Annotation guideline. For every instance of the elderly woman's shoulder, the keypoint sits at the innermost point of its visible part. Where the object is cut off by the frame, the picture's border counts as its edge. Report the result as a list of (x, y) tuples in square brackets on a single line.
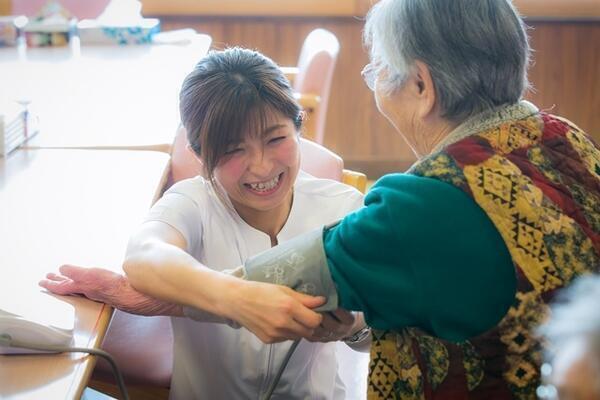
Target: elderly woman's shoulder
[(406, 182), (418, 193)]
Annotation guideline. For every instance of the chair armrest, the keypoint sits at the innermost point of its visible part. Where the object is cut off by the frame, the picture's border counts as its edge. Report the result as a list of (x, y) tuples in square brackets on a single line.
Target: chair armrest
[(356, 179), (310, 105)]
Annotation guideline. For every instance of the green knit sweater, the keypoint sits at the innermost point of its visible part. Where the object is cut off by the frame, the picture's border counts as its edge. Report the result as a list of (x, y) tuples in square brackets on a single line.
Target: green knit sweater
[(426, 245)]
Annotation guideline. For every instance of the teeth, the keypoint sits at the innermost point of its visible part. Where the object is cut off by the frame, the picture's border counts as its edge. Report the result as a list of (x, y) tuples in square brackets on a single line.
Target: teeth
[(264, 186)]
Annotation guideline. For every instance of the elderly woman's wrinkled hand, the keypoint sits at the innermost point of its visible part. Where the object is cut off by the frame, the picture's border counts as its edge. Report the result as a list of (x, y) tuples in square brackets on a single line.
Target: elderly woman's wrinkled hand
[(106, 287)]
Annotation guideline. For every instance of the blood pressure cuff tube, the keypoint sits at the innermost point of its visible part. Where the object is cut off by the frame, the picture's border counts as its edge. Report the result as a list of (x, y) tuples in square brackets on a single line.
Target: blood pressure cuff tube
[(299, 264)]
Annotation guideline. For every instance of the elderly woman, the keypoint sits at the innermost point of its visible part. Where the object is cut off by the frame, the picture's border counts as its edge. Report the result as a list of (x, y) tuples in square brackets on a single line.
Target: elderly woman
[(452, 263)]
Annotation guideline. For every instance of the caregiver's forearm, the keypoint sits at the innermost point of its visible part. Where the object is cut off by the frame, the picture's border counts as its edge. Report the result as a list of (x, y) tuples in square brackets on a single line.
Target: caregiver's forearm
[(168, 273)]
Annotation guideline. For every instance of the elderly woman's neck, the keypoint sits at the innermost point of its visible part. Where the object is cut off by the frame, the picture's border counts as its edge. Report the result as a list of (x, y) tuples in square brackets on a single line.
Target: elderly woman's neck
[(424, 139)]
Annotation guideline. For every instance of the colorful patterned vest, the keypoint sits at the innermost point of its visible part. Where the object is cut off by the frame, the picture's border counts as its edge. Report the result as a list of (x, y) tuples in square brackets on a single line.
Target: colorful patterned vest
[(537, 177)]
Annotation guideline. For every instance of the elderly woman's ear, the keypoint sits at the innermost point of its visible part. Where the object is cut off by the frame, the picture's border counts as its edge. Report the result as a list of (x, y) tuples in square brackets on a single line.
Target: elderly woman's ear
[(424, 90), (413, 108), (414, 98)]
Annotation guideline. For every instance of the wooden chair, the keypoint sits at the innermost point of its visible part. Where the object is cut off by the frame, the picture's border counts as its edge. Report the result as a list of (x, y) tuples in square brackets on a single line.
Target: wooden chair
[(143, 350), (312, 78), (142, 346)]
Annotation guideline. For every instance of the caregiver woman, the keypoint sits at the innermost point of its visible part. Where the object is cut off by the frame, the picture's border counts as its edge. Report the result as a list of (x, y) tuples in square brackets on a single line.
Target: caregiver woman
[(453, 262)]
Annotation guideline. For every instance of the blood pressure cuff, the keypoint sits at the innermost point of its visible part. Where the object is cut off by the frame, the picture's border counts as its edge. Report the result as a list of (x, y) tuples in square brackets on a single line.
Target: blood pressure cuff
[(299, 264)]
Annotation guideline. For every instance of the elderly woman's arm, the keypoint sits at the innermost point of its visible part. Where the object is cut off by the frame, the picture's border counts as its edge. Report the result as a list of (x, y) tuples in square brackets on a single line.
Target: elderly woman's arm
[(158, 265), (422, 254), (107, 287)]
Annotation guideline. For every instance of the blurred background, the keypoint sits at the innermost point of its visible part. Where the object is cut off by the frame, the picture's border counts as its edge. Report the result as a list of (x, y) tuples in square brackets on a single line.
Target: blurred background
[(565, 70)]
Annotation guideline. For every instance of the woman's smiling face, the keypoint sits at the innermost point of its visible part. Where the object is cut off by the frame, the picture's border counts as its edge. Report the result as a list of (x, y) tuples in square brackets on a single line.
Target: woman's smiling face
[(258, 174)]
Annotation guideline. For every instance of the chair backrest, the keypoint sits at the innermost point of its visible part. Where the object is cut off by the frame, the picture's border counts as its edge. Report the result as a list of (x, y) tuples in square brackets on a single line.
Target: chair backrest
[(183, 163), (315, 160), (319, 161), (315, 73)]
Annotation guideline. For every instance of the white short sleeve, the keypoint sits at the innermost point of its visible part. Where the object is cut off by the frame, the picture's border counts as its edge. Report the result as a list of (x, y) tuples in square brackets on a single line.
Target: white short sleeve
[(179, 209)]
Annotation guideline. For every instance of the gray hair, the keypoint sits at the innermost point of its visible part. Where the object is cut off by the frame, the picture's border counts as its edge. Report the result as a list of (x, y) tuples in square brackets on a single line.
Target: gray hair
[(476, 50), (576, 314)]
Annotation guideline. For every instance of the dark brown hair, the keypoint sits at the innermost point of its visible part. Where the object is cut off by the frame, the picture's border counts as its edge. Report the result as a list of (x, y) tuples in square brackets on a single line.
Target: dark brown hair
[(230, 95)]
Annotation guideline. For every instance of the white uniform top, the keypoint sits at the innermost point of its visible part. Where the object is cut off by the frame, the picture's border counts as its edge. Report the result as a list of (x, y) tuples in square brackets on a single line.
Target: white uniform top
[(215, 361)]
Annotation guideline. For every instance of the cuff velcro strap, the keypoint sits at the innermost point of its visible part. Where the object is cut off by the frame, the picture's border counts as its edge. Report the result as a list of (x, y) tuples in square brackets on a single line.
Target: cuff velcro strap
[(299, 264)]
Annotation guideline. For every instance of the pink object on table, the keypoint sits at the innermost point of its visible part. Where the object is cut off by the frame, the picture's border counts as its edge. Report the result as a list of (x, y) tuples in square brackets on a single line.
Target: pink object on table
[(79, 8)]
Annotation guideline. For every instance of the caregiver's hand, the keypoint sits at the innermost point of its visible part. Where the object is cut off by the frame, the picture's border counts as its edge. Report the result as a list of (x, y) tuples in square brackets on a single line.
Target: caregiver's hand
[(106, 287), (274, 313)]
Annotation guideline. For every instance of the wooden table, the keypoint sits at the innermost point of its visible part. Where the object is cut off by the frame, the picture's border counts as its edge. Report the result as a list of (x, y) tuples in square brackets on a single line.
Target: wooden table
[(67, 206), (86, 96)]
